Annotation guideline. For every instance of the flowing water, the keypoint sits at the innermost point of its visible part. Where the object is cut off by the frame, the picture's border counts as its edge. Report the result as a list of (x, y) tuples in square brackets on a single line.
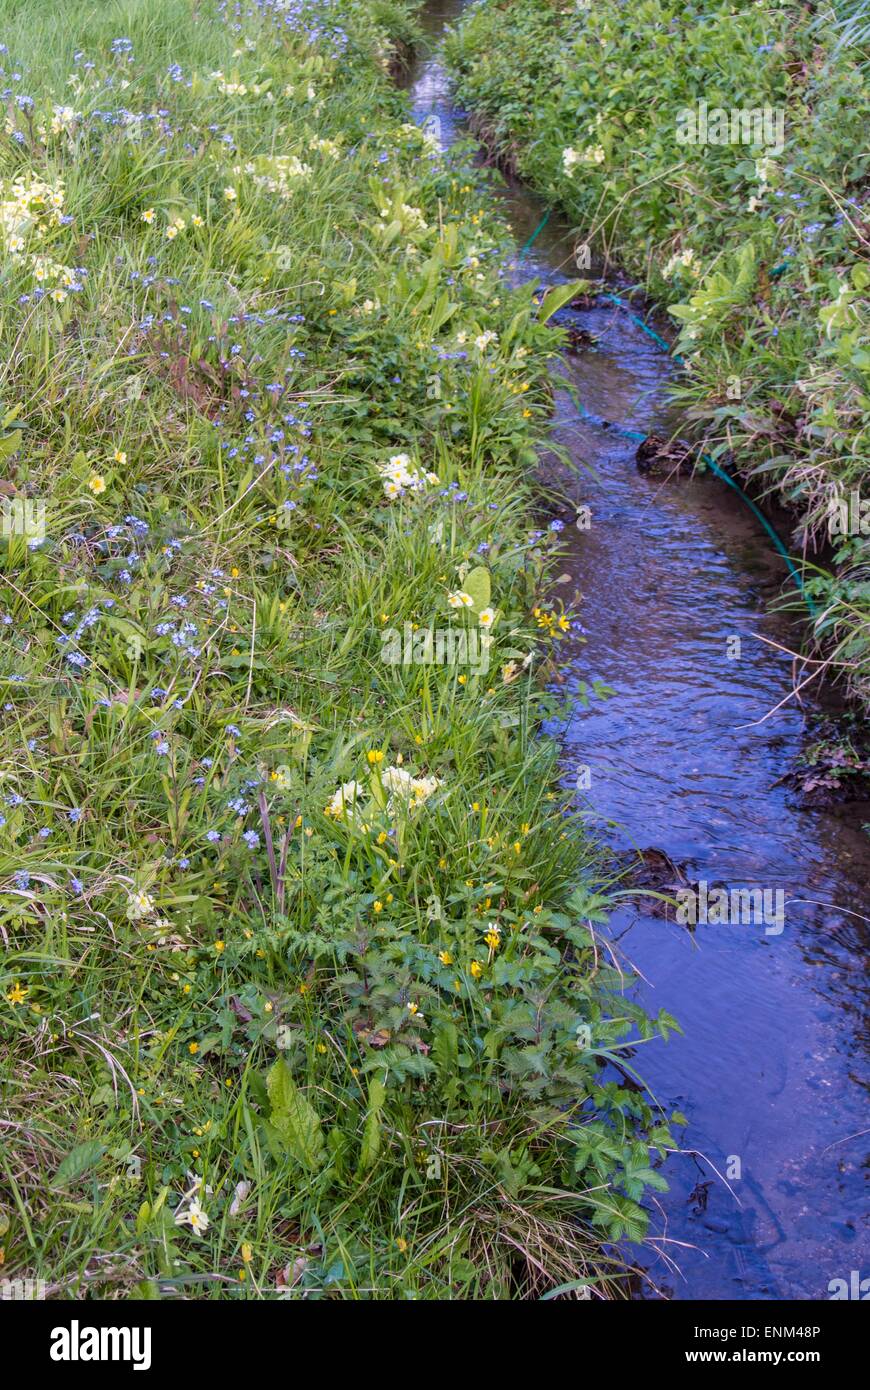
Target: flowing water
[(683, 758)]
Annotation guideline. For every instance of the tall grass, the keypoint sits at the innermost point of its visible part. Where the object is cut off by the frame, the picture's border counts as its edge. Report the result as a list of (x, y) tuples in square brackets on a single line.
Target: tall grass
[(261, 1040)]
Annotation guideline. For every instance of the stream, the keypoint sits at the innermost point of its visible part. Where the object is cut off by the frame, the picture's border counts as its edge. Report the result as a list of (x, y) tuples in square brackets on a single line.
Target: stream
[(765, 1198)]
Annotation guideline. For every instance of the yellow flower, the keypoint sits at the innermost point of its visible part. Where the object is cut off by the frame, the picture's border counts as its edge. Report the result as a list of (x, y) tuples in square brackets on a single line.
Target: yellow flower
[(247, 1252), (321, 1048), (375, 756), (445, 957), (97, 484), (377, 907), (17, 994), (193, 1048), (401, 1244), (220, 946), (476, 969)]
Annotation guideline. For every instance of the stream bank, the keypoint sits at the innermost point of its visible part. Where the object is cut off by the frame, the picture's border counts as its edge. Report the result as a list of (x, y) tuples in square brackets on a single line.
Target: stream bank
[(689, 756)]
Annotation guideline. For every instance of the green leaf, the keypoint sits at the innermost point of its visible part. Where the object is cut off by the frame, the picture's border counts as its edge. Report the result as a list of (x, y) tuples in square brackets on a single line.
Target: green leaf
[(560, 295), (477, 586), (78, 1161), (294, 1119), (371, 1140)]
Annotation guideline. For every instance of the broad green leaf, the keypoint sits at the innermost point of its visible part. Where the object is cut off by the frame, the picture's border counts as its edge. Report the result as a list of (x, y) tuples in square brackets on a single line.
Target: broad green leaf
[(476, 585), (78, 1161), (294, 1119), (559, 296)]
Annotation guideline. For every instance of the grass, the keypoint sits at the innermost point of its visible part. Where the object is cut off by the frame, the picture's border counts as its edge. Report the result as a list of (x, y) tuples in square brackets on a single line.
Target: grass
[(758, 252), (263, 1037)]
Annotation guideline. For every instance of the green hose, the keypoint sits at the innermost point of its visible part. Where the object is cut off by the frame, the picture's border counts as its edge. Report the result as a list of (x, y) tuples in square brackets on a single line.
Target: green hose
[(719, 471)]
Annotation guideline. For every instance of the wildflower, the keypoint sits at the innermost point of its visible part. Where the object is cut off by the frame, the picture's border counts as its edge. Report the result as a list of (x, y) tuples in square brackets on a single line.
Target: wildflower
[(486, 617), (17, 994), (220, 946), (97, 484), (375, 756), (148, 215), (193, 1048), (445, 957), (230, 193), (476, 969), (377, 906), (194, 1217), (460, 599), (345, 796), (119, 457), (139, 904)]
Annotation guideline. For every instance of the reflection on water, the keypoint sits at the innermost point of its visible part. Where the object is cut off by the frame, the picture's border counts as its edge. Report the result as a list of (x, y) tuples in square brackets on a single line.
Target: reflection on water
[(682, 757)]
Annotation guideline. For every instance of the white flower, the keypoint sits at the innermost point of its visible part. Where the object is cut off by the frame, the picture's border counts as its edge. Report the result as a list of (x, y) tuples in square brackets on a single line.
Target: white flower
[(139, 904), (194, 1217), (486, 617), (403, 787), (239, 1198), (398, 474), (570, 160), (345, 797), (483, 340), (460, 599)]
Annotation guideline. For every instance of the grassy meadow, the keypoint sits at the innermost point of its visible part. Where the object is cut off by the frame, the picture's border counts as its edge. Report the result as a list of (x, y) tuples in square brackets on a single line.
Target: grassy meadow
[(301, 987)]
